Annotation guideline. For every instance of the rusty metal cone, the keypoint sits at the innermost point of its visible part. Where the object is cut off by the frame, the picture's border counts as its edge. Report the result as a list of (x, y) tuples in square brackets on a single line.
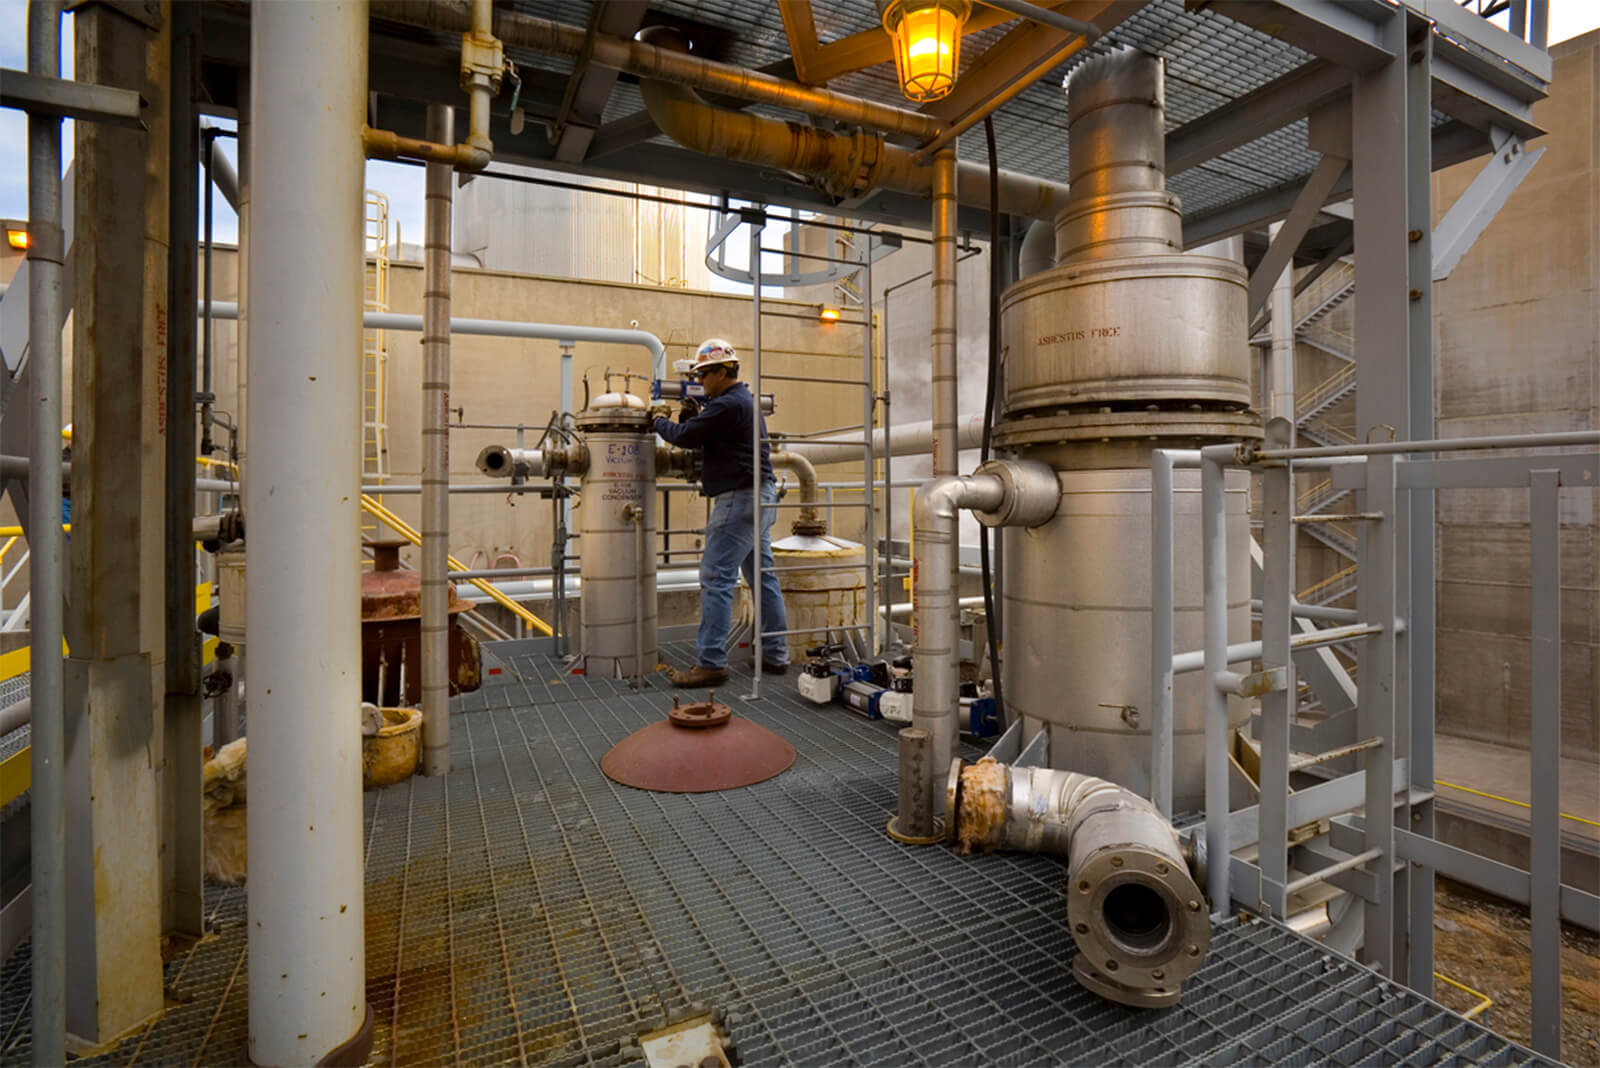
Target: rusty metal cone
[(699, 748)]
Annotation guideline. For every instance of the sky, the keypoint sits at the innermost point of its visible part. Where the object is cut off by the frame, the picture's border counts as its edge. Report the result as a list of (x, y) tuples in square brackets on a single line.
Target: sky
[(402, 184)]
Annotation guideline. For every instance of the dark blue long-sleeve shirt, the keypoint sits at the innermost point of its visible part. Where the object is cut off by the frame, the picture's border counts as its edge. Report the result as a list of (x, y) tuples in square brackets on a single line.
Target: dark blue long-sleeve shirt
[(721, 431)]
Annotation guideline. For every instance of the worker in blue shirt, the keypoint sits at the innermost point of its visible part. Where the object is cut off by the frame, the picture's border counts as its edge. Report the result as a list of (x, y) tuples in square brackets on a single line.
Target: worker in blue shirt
[(721, 430)]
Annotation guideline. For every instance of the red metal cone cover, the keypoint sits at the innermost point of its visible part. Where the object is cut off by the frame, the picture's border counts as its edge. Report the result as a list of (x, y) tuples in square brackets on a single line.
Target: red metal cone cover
[(673, 759)]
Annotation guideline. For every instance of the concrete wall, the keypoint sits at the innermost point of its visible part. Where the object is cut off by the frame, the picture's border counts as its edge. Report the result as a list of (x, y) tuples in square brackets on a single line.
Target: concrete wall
[(1516, 328)]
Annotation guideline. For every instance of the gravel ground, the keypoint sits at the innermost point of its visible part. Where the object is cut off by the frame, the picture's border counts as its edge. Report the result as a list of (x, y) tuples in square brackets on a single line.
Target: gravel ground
[(1483, 943)]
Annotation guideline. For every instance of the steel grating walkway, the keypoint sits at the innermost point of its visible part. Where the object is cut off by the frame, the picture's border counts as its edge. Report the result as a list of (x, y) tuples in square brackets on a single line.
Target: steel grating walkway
[(525, 909)]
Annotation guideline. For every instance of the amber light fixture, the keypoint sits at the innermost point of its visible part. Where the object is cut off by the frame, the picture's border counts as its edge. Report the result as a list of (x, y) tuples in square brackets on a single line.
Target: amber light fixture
[(927, 44), (17, 239)]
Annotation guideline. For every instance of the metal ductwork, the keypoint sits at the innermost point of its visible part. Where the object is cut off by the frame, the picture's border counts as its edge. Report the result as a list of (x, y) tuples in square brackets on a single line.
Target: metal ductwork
[(1126, 345), (1137, 914)]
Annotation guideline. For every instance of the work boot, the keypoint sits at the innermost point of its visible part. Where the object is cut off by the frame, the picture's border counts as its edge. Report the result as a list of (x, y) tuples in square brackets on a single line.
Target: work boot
[(769, 668), (698, 676)]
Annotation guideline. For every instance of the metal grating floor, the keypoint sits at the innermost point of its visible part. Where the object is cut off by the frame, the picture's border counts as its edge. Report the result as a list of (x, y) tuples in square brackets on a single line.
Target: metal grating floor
[(525, 909)]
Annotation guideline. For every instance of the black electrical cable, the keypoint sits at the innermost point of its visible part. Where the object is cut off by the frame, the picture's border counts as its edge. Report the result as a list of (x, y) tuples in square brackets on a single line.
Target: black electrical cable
[(988, 408)]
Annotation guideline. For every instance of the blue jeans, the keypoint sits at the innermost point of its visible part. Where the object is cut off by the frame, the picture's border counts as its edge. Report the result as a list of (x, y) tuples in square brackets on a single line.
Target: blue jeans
[(730, 549)]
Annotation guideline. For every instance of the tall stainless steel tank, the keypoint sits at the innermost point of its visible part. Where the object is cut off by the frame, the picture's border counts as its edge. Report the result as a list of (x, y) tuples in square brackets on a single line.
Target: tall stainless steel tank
[(1128, 344), (617, 520)]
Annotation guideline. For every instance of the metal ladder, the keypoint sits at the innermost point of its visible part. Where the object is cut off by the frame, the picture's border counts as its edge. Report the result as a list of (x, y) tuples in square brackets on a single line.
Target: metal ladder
[(374, 350)]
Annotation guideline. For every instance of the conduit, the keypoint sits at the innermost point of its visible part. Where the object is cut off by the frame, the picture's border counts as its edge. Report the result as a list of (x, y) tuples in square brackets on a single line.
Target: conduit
[(1137, 915), (435, 606)]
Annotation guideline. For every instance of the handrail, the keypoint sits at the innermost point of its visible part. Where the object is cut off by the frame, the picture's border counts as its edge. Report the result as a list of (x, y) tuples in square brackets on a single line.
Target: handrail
[(405, 530), (16, 532), (12, 540), (1485, 1002), (1511, 801), (1325, 583), (1326, 388)]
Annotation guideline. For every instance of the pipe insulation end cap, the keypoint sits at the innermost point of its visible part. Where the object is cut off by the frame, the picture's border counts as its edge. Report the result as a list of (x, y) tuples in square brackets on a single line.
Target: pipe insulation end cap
[(1032, 493)]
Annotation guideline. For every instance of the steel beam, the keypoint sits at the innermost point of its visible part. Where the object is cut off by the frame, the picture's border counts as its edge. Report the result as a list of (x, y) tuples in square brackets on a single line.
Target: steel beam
[(589, 86), (1481, 201), (1271, 107), (68, 99), (1316, 192), (1347, 32)]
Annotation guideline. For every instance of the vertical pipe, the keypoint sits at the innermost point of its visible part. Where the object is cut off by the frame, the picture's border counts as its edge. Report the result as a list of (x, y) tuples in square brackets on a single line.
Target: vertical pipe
[(1214, 556), (757, 654), (1519, 19), (1280, 374), (307, 956), (436, 451), (1161, 596), (914, 816), (869, 408), (888, 481), (45, 542), (1539, 23), (944, 315), (225, 721), (208, 147), (1277, 707), (241, 260), (1544, 820), (183, 861)]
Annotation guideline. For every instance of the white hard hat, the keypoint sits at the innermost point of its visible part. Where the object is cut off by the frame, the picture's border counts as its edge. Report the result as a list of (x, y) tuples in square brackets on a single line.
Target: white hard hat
[(714, 352)]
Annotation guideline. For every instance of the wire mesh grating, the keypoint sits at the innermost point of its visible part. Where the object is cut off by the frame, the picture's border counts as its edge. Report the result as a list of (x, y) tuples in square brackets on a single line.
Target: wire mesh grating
[(525, 909)]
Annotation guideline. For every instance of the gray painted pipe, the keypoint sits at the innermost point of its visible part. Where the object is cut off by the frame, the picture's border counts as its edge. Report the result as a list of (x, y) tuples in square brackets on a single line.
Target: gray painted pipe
[(15, 717), (46, 254), (502, 328), (907, 439), (435, 621)]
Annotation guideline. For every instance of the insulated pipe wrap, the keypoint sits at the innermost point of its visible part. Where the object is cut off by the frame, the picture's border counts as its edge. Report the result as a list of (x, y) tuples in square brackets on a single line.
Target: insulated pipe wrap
[(1136, 913)]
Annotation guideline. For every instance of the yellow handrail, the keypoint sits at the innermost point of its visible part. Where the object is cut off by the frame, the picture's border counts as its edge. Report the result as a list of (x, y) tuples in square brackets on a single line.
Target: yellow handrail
[(372, 507), (16, 532), (12, 540), (1508, 801), (1485, 1002), (1337, 576)]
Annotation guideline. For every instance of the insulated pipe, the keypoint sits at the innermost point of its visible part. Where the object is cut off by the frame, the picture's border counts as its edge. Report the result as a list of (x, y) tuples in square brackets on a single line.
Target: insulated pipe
[(935, 700), (435, 606), (15, 717), (1214, 569), (1280, 372), (223, 175), (650, 61), (907, 439), (943, 340), (1038, 252), (844, 164), (46, 256), (307, 955), (1137, 915), (504, 328), (807, 521), (498, 461)]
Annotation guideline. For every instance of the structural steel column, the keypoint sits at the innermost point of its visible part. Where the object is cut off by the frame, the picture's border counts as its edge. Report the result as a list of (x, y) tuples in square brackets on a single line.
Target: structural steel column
[(114, 729), (307, 954), (436, 452), (1280, 376), (1383, 169)]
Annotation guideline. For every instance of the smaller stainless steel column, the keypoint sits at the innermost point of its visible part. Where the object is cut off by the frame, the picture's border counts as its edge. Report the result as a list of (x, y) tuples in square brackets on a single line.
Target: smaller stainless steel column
[(914, 822), (435, 620)]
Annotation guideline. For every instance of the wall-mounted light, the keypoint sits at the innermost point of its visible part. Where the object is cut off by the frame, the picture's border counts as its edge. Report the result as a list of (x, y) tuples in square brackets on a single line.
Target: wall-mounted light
[(927, 44), (827, 314), (17, 239)]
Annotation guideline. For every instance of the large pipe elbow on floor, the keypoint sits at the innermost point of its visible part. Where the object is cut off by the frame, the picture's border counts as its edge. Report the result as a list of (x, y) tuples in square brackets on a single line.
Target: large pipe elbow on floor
[(808, 522), (1137, 913)]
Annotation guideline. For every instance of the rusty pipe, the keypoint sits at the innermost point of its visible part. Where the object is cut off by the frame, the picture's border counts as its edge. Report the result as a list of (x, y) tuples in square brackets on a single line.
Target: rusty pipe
[(482, 59), (843, 164), (808, 521), (1137, 914), (648, 60)]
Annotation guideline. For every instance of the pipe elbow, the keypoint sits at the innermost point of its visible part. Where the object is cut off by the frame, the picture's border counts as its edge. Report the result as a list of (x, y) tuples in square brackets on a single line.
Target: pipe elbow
[(1030, 493), (808, 521), (474, 154)]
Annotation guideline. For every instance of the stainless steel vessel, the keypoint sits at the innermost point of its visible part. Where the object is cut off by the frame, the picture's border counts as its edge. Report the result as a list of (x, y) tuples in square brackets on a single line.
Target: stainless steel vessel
[(1126, 345)]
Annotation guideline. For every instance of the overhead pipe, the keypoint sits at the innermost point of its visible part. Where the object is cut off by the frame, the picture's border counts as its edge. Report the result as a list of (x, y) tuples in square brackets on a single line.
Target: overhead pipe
[(1003, 493), (482, 64), (648, 60), (1137, 914), (843, 164), (374, 320), (46, 256), (807, 522), (307, 955), (906, 439), (435, 603)]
